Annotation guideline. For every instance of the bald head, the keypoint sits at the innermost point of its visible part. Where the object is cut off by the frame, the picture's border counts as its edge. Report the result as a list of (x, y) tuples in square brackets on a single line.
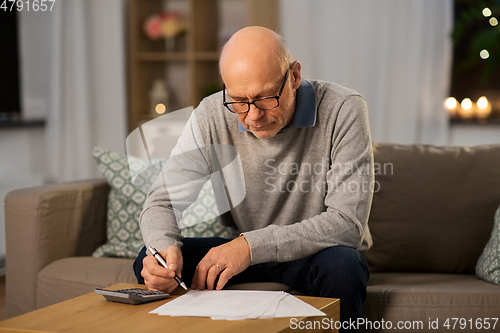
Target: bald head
[(253, 65), (254, 53)]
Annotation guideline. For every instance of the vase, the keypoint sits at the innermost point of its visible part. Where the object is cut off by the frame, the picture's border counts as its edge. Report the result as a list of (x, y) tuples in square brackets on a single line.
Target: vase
[(170, 44)]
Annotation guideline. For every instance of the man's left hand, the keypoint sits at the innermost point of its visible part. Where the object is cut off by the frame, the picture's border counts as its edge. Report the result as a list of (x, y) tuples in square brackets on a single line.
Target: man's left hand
[(224, 261)]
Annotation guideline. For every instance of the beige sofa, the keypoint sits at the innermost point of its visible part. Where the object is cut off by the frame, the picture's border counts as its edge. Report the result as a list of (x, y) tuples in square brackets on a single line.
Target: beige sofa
[(431, 216)]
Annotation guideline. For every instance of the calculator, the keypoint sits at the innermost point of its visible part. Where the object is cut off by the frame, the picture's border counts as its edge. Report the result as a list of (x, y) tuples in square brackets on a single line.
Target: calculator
[(132, 296)]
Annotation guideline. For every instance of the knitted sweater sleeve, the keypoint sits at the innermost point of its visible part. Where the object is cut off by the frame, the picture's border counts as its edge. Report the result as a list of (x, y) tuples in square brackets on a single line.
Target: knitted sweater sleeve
[(350, 182)]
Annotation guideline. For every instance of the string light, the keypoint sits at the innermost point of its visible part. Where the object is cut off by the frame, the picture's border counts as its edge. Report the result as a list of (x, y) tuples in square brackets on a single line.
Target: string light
[(493, 21), (484, 54), (487, 12)]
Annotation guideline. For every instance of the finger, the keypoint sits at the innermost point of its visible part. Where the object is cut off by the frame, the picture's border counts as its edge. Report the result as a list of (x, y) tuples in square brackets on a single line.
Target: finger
[(157, 277), (171, 287), (172, 256), (223, 278), (167, 288), (194, 286), (157, 283), (202, 270), (154, 268), (213, 272), (180, 262)]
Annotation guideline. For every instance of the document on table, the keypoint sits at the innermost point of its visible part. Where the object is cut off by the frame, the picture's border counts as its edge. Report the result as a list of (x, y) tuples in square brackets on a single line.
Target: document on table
[(237, 304)]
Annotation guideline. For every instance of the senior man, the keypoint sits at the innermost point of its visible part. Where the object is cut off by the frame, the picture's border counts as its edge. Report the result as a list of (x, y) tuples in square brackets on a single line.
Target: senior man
[(307, 161)]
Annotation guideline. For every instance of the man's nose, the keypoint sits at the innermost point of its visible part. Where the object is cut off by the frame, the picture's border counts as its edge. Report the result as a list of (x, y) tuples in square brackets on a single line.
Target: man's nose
[(255, 113)]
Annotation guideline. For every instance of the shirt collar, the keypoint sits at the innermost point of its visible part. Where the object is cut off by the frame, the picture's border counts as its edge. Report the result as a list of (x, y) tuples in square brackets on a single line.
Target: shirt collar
[(305, 108)]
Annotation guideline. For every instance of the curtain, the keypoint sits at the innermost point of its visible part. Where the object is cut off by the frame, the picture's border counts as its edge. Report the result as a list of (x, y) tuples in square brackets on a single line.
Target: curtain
[(397, 54), (86, 98)]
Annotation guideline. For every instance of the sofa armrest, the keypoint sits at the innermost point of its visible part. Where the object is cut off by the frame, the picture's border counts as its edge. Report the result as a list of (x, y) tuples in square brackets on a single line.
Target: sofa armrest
[(47, 223)]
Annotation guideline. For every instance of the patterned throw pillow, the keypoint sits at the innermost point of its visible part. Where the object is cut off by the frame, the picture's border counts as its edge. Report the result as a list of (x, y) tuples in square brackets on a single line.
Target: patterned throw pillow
[(488, 264), (125, 201)]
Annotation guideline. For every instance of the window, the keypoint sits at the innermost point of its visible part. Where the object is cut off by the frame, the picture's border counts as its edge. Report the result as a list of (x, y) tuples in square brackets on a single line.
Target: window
[(476, 59)]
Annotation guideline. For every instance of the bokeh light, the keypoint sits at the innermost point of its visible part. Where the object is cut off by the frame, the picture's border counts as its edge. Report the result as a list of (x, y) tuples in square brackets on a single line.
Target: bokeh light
[(484, 54), (160, 108)]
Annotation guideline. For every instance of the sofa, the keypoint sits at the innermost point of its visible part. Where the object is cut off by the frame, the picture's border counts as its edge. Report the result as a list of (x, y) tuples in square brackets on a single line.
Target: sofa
[(432, 215)]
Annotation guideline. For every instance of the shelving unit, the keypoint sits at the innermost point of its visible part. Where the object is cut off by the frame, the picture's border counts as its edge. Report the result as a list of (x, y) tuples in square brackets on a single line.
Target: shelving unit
[(191, 72)]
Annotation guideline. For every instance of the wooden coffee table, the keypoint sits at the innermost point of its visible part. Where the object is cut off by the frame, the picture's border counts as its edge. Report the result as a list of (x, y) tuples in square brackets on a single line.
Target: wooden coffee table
[(92, 313)]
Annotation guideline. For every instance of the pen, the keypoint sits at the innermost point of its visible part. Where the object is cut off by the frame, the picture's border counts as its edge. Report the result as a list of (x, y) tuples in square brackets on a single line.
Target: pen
[(162, 262)]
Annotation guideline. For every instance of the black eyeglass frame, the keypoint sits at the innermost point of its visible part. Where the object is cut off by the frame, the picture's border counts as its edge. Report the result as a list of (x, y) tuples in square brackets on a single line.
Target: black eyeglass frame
[(277, 97)]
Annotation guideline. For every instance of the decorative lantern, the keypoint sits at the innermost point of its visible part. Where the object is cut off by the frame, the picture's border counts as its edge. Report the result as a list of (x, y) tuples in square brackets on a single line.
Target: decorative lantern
[(159, 97)]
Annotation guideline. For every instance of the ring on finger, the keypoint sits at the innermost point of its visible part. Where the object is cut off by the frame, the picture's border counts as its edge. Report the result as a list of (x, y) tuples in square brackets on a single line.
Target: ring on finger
[(219, 267)]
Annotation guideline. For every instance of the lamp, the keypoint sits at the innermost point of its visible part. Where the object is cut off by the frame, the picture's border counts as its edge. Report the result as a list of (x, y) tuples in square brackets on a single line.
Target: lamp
[(158, 97)]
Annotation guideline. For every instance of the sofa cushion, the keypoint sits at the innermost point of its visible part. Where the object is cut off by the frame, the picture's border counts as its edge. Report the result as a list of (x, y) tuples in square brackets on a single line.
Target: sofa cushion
[(488, 265), (126, 199), (71, 277), (434, 206), (420, 296)]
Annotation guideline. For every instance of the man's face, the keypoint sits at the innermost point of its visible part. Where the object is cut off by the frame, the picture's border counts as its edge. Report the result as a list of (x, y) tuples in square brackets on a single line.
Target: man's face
[(264, 123)]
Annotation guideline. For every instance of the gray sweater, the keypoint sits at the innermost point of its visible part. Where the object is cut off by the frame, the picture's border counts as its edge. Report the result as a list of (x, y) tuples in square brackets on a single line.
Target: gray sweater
[(308, 188)]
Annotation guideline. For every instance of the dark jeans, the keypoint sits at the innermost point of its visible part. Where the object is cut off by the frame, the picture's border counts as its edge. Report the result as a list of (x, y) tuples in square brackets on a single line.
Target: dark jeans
[(337, 272)]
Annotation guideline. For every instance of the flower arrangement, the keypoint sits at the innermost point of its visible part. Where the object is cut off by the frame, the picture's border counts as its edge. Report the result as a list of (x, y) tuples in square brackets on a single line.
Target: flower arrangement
[(168, 25)]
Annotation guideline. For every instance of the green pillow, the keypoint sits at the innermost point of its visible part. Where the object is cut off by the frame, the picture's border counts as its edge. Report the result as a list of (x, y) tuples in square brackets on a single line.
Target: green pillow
[(125, 202), (488, 264)]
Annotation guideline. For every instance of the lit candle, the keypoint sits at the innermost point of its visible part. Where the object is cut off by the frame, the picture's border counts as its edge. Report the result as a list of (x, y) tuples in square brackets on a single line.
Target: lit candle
[(483, 108), (451, 105), (468, 109)]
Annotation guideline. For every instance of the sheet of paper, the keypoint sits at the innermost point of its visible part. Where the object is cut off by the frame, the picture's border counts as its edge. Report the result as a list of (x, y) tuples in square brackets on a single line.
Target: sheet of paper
[(291, 306), (222, 304), (236, 305)]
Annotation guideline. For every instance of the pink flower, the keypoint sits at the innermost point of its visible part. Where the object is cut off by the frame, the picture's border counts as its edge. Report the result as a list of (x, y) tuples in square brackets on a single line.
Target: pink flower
[(165, 24), (152, 27)]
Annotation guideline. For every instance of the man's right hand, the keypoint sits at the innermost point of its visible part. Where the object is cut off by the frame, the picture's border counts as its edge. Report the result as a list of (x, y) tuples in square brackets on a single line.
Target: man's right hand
[(157, 277)]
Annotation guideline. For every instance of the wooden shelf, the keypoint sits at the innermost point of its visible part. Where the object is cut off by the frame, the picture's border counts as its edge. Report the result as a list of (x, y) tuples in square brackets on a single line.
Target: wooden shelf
[(162, 56), (205, 56), (177, 56), (193, 73)]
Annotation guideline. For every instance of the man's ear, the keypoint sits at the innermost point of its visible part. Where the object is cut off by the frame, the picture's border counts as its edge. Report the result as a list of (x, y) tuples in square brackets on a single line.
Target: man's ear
[(296, 76)]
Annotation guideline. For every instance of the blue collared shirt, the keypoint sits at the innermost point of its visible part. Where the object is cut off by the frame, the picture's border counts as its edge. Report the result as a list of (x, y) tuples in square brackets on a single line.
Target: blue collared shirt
[(305, 108)]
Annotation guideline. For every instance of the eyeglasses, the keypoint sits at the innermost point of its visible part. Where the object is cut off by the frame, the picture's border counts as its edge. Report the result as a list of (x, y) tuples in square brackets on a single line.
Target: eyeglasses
[(265, 103)]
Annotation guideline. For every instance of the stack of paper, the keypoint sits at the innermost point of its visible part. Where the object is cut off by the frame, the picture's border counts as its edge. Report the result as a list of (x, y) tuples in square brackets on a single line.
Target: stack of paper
[(237, 304)]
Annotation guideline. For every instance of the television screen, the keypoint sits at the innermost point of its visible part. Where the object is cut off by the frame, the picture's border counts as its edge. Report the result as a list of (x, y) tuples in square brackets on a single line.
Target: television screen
[(9, 64)]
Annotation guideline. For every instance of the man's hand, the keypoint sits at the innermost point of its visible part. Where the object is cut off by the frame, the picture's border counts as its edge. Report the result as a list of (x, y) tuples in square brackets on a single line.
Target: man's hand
[(157, 277), (224, 261)]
